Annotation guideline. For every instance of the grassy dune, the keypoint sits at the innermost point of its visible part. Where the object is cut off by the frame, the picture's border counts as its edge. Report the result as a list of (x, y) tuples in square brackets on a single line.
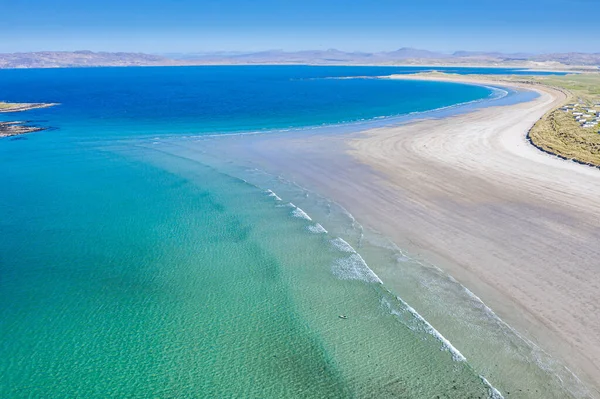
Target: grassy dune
[(557, 132)]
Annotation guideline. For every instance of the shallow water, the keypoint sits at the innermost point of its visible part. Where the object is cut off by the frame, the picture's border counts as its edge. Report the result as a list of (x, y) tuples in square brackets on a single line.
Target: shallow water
[(131, 271), (459, 320)]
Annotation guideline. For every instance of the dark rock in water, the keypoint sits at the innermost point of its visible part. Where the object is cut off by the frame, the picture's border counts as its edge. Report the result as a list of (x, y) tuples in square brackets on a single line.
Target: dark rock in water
[(16, 128)]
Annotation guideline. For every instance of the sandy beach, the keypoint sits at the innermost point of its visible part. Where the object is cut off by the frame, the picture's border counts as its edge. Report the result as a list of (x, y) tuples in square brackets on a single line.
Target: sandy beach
[(519, 227), (468, 193)]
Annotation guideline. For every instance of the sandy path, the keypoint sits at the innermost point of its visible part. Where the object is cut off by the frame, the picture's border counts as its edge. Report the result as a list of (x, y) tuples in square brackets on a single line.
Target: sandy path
[(517, 226)]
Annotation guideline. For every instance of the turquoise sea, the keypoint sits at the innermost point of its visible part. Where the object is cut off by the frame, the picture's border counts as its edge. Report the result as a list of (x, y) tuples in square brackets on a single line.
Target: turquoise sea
[(127, 271)]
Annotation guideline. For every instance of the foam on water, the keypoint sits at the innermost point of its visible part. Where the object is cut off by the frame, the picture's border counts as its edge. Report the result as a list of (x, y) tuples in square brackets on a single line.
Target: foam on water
[(428, 328), (299, 213), (354, 267), (493, 392), (342, 223), (541, 358), (317, 229), (342, 245), (270, 193)]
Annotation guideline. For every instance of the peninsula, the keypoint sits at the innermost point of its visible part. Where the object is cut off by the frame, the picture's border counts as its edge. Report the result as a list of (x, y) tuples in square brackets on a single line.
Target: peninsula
[(20, 107), (15, 128)]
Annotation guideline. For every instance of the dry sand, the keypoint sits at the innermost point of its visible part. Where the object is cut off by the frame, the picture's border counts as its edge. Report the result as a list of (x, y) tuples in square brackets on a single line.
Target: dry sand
[(518, 227)]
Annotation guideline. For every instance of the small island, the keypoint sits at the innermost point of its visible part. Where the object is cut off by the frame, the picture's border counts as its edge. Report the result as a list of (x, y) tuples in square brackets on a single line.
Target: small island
[(15, 128)]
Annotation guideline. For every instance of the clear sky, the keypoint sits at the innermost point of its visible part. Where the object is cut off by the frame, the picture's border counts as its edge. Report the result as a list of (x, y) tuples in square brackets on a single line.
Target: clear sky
[(158, 26)]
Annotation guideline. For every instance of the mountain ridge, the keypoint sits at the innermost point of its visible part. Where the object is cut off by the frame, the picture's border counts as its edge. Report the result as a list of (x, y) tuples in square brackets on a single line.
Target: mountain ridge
[(401, 56)]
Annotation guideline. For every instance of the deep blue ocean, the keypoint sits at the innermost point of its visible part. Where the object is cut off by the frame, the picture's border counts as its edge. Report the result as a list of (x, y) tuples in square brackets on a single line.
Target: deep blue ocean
[(144, 101), (129, 272)]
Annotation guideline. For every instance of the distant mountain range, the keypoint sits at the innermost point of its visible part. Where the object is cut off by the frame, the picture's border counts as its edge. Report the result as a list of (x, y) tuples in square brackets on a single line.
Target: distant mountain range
[(403, 56), (58, 59)]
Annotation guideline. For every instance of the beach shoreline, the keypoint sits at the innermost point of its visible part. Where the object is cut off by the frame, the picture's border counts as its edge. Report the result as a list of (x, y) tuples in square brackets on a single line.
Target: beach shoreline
[(558, 192), (469, 194), (473, 158)]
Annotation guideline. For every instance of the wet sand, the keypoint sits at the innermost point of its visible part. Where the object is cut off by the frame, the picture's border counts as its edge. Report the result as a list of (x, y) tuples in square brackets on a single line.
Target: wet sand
[(468, 193)]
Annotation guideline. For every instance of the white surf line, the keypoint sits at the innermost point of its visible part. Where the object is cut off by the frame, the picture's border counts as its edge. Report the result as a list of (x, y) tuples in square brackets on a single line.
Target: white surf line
[(299, 213), (343, 246), (271, 193), (490, 313), (493, 392), (359, 268), (456, 355), (532, 344), (355, 267), (316, 228), (582, 390), (446, 344), (352, 267)]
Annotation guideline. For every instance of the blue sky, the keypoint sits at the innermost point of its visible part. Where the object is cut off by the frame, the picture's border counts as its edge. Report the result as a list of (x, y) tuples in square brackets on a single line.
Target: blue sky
[(245, 25)]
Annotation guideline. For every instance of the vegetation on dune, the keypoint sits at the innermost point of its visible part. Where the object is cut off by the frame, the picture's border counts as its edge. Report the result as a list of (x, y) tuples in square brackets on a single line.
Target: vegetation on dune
[(584, 86), (558, 132)]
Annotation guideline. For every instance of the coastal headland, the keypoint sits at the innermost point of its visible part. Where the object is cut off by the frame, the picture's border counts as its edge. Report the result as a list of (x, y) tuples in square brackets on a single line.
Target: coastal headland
[(469, 193), (16, 128)]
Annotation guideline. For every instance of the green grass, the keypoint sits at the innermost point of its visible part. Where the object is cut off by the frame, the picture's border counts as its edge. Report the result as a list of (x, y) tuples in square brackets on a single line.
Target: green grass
[(558, 132), (585, 85)]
